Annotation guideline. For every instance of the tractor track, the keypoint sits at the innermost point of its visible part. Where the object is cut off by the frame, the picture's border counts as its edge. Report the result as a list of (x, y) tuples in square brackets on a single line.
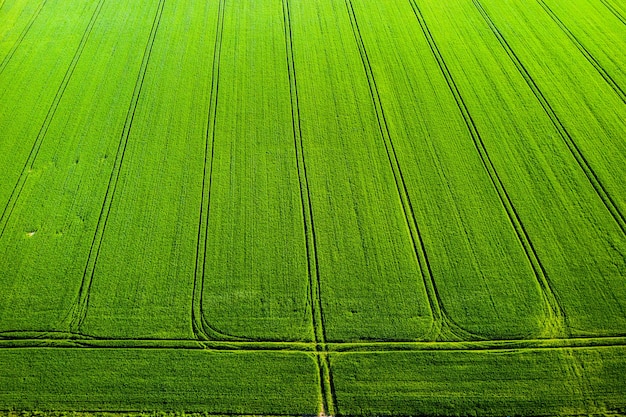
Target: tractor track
[(79, 311), (41, 135), (592, 60), (563, 132), (23, 34), (556, 324), (329, 401), (201, 327), (443, 326)]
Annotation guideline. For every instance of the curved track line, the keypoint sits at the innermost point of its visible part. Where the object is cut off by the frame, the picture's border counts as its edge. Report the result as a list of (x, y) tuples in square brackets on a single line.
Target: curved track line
[(79, 311), (592, 60), (19, 40), (443, 327), (557, 321), (317, 315), (28, 165), (569, 141), (564, 134), (201, 327)]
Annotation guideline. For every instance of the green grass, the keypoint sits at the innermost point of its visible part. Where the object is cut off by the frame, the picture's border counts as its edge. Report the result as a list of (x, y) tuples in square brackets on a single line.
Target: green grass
[(291, 207), (175, 380), (485, 383)]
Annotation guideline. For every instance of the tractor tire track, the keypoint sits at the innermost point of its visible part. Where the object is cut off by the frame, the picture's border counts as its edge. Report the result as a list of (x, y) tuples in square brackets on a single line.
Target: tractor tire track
[(613, 10), (79, 311), (556, 320), (30, 161), (23, 34), (202, 329), (565, 135), (27, 339), (443, 327), (592, 60), (328, 406)]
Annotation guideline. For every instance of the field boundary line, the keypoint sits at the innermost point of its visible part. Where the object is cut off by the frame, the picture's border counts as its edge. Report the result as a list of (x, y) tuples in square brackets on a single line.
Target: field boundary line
[(202, 329), (613, 10), (23, 34), (79, 311), (443, 327), (78, 342), (588, 55), (34, 152), (329, 401), (556, 121), (557, 320)]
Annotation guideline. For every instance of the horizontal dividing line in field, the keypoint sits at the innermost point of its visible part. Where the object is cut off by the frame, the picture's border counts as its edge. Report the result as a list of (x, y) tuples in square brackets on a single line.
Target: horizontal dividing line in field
[(141, 412), (613, 10), (19, 40), (309, 347), (592, 60)]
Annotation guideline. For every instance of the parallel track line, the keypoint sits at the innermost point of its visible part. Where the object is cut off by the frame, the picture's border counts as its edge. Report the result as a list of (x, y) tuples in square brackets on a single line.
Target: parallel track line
[(23, 34), (201, 327), (444, 326), (79, 341), (558, 124), (34, 152), (317, 316), (79, 311), (557, 318), (556, 121), (592, 60), (613, 10)]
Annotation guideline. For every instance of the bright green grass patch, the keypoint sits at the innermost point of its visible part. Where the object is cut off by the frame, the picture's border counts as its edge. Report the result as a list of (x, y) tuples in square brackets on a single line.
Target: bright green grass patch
[(158, 379), (485, 383)]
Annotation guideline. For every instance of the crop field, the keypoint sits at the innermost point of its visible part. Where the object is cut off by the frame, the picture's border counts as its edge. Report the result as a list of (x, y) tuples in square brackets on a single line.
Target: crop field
[(313, 207)]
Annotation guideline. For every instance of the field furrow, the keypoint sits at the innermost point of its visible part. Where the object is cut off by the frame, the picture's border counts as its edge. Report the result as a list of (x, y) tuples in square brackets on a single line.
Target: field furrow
[(618, 10), (439, 317), (202, 328), (587, 106), (155, 210), (23, 116), (16, 19), (312, 207), (442, 168), (605, 49), (576, 238), (47, 238), (588, 115), (317, 315), (28, 165), (371, 286), (255, 271)]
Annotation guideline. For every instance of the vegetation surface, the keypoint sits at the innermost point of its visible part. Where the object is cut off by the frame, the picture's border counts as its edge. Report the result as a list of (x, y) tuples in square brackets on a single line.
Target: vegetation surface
[(348, 207)]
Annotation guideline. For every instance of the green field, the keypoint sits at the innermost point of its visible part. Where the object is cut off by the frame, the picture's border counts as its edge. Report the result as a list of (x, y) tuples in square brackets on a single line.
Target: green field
[(306, 207)]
